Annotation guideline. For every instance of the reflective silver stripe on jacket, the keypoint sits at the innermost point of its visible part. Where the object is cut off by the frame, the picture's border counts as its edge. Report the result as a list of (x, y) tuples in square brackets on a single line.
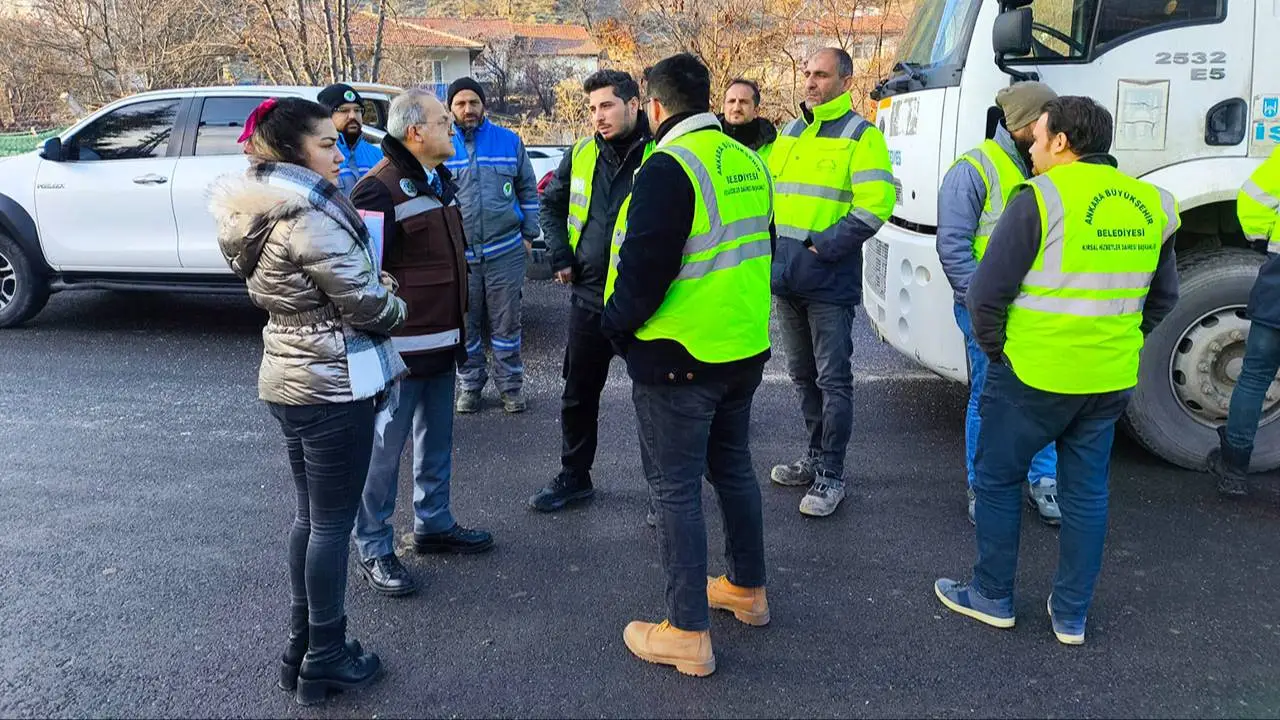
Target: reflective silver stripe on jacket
[(430, 341), (577, 223), (868, 218), (416, 206), (579, 199), (868, 176), (1264, 198), (822, 192)]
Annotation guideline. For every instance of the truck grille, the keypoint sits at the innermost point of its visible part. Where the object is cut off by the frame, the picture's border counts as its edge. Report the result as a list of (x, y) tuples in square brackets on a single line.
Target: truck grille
[(875, 265)]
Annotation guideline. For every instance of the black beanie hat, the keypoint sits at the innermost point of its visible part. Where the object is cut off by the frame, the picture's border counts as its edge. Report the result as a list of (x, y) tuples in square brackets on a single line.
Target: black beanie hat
[(337, 95), (465, 83)]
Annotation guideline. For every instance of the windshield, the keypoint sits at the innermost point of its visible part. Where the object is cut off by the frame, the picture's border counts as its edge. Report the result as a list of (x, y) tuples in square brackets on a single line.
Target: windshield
[(939, 33)]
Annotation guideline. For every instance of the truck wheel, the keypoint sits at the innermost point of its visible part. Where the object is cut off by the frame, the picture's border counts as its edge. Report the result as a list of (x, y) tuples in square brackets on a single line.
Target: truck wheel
[(1191, 362), (23, 292)]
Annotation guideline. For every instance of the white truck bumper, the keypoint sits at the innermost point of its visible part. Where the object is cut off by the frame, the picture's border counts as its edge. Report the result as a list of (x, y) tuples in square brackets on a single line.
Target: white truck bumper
[(909, 301)]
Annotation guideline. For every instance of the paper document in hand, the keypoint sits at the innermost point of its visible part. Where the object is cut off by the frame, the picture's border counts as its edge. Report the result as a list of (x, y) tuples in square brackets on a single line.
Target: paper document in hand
[(374, 221)]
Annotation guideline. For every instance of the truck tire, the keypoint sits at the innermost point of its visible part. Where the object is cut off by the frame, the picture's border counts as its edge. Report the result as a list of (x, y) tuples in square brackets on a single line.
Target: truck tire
[(23, 291), (1191, 361)]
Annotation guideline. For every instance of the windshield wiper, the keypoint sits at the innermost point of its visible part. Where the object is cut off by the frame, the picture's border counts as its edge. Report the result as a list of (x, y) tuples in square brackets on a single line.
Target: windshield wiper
[(911, 71)]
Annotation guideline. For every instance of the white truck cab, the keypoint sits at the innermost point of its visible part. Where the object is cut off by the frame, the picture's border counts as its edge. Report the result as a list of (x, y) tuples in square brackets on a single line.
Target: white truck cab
[(1196, 102), (118, 201)]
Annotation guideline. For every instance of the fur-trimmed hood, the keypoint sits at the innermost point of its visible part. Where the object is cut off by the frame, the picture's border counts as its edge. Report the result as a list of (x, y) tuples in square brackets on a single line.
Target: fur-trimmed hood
[(246, 211)]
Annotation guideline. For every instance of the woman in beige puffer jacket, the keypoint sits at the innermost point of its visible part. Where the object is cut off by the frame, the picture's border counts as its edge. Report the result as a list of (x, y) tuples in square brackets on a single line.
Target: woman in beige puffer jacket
[(327, 364)]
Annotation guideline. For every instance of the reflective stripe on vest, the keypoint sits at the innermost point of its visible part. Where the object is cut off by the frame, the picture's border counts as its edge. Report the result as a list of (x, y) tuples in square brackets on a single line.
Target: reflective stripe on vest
[(718, 305), (586, 154), (1075, 327), (1258, 204), (819, 173), (1000, 175), (582, 177)]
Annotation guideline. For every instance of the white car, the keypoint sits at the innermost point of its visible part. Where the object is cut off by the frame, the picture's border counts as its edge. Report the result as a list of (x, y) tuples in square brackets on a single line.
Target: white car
[(118, 200)]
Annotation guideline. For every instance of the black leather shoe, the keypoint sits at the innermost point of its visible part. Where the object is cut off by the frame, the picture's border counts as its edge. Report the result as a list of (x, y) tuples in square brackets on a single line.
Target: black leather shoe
[(456, 540), (565, 490), (387, 576)]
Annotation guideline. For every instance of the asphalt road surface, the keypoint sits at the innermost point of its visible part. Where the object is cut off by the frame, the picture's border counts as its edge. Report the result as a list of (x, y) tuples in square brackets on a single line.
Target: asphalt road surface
[(145, 500)]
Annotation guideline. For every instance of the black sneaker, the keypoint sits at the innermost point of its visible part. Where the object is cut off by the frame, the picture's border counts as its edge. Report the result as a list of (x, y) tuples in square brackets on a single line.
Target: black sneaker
[(456, 540), (387, 576), (565, 489)]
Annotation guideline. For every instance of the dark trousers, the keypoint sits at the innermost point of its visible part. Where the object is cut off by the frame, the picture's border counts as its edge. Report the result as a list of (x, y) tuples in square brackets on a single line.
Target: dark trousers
[(329, 449), (1017, 422), (686, 431), (818, 338), (586, 370)]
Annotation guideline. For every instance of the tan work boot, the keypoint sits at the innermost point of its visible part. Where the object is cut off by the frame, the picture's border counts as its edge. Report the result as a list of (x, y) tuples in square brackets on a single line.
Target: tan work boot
[(747, 604), (689, 651)]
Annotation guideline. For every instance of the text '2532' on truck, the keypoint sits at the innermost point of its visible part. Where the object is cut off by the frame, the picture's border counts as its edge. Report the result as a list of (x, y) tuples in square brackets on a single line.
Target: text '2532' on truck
[(1196, 100)]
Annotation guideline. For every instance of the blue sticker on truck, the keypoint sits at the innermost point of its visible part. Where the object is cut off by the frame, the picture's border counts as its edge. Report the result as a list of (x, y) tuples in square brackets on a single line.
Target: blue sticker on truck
[(1266, 125)]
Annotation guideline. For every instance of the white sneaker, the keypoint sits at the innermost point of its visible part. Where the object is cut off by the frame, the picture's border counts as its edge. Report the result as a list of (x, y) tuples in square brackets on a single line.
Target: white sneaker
[(823, 498), (1043, 496)]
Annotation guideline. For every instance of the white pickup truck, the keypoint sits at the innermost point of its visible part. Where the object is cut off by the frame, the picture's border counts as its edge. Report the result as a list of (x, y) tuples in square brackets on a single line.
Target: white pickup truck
[(118, 200)]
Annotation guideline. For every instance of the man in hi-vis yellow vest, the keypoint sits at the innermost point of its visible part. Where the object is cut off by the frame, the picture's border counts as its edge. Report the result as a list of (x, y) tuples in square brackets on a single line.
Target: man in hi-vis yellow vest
[(580, 207), (970, 201), (1079, 269), (834, 191), (1258, 209), (687, 305)]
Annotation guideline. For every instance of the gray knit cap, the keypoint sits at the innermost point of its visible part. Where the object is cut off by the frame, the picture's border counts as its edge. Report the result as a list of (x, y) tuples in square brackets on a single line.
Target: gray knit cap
[(1023, 103)]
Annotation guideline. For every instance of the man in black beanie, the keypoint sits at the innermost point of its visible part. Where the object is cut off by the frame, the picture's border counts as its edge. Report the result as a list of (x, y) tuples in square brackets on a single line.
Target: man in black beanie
[(499, 197), (358, 155)]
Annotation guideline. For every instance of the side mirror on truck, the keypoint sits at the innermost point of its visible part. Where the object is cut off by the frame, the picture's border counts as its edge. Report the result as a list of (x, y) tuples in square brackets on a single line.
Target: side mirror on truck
[(1011, 33)]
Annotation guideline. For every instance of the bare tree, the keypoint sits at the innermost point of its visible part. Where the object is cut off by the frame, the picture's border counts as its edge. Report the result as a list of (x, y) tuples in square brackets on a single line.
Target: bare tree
[(501, 63), (380, 7), (542, 79)]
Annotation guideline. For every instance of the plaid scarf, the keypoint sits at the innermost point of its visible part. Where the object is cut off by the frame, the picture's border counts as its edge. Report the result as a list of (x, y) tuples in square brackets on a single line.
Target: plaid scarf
[(373, 365)]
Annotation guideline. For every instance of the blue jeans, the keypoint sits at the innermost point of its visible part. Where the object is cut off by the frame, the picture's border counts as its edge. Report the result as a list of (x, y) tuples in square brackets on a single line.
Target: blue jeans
[(1045, 462), (687, 431), (426, 408), (495, 288), (1017, 421), (818, 338), (1261, 361)]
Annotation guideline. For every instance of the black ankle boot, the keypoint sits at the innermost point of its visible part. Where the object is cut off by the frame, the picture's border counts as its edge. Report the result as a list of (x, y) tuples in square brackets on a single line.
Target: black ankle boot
[(1230, 465), (291, 658), (330, 665)]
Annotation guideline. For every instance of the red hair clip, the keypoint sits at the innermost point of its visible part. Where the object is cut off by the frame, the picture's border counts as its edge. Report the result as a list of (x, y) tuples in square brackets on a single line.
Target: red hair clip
[(256, 117)]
